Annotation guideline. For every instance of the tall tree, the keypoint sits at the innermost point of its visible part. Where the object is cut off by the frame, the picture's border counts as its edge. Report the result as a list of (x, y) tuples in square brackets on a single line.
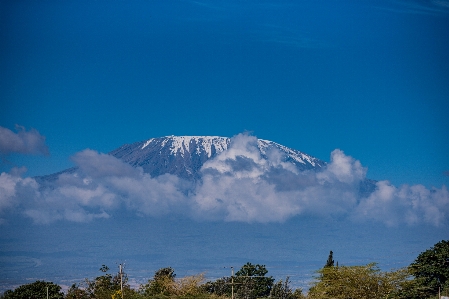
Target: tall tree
[(330, 261), (162, 283), (431, 267), (252, 282)]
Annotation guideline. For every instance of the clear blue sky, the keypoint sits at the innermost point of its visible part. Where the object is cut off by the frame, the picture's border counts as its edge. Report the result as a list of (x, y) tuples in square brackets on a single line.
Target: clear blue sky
[(368, 77)]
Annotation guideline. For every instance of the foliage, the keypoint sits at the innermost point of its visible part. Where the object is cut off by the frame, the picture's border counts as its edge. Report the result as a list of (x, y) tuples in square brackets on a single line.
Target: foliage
[(77, 292), (164, 284), (190, 286), (421, 279), (106, 286), (165, 273), (161, 284), (219, 287), (251, 281), (35, 290), (282, 290), (359, 282), (431, 268)]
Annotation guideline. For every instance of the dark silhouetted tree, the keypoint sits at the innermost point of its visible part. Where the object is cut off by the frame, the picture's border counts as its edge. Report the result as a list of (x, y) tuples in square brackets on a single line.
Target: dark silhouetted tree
[(330, 261)]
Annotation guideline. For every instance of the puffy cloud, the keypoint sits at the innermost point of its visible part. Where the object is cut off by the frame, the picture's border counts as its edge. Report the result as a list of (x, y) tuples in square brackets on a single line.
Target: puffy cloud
[(23, 142), (98, 165), (237, 185), (343, 169), (406, 204), (14, 191)]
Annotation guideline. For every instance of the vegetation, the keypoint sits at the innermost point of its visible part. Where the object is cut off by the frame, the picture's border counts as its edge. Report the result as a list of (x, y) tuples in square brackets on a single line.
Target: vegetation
[(431, 268), (35, 290), (330, 260), (358, 282), (428, 274)]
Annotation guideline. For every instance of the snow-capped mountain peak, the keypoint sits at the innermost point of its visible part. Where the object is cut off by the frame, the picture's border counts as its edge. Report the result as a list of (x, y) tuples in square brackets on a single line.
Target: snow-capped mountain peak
[(183, 144), (185, 155)]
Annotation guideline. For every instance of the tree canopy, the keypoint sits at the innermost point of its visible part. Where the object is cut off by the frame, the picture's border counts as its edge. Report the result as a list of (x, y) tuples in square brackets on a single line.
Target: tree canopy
[(252, 282), (347, 282), (431, 267), (35, 290)]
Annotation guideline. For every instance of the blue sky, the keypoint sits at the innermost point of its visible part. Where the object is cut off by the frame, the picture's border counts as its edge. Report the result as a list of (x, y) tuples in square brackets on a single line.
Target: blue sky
[(359, 84), (369, 78)]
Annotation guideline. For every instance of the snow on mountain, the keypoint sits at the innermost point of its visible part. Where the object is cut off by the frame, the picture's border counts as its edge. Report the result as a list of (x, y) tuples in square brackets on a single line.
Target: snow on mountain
[(185, 155)]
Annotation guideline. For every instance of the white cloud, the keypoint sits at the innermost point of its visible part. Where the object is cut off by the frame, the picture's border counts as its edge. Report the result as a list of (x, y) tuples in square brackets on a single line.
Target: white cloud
[(23, 142), (406, 204), (343, 169), (99, 165), (237, 185)]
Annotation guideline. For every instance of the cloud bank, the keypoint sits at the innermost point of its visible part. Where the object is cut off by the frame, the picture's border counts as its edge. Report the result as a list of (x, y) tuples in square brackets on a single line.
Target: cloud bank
[(237, 185)]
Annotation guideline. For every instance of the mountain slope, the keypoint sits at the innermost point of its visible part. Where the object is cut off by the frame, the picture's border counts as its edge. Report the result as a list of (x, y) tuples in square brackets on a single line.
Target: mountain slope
[(185, 155)]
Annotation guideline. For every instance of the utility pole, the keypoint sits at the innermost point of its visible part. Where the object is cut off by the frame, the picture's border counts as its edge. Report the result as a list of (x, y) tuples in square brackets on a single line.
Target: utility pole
[(232, 282), (47, 292), (121, 279)]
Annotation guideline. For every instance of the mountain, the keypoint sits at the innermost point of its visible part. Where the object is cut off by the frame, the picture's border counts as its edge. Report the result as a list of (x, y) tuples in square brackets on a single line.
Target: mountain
[(184, 156)]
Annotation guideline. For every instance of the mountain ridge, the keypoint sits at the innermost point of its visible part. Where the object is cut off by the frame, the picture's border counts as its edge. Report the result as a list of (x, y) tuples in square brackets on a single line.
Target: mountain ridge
[(184, 156)]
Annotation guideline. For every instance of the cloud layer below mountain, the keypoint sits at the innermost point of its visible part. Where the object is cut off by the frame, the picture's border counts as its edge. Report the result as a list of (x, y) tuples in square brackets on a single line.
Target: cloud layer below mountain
[(237, 185)]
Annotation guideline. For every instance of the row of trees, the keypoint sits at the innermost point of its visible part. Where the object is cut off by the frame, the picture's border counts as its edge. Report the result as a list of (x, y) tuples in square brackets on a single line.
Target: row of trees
[(424, 278)]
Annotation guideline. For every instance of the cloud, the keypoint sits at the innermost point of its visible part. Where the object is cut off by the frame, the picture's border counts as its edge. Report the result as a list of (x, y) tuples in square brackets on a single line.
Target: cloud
[(237, 185), (14, 191), (22, 142), (406, 204)]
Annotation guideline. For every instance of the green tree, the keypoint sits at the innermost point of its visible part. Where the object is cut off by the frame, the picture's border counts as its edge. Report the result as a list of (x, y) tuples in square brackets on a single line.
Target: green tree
[(219, 287), (165, 273), (35, 290), (106, 286), (282, 290), (366, 281), (431, 268), (76, 292), (251, 282), (162, 283)]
